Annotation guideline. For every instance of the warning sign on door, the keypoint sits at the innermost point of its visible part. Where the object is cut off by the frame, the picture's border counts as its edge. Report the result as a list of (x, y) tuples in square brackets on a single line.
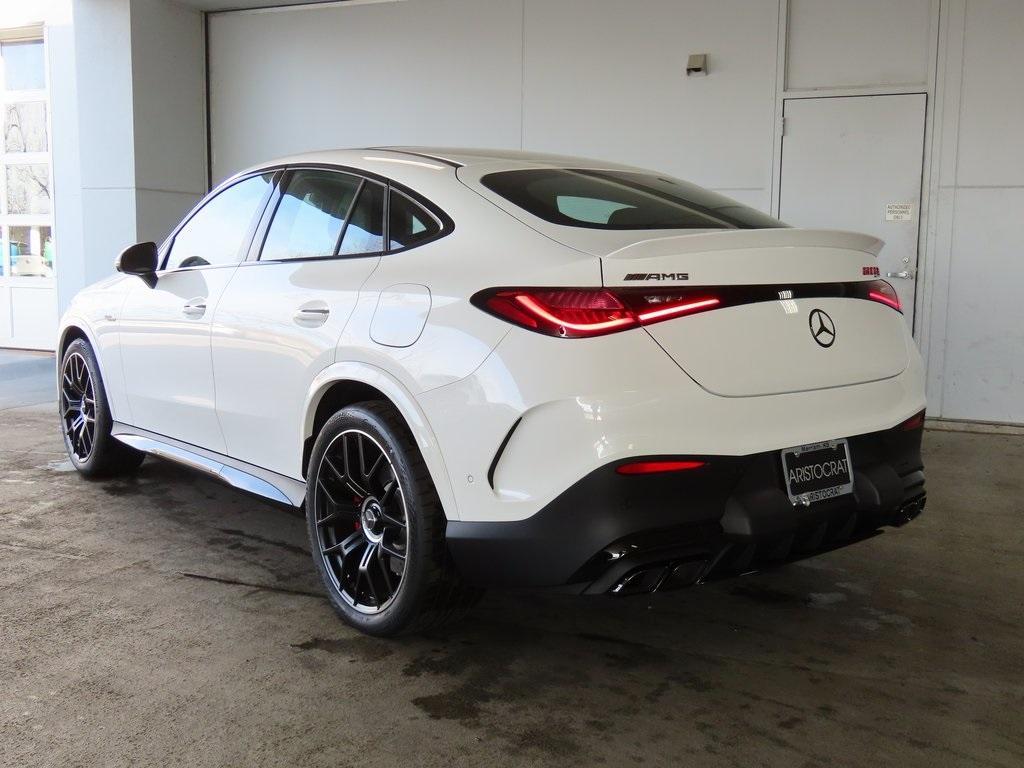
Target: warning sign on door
[(899, 212)]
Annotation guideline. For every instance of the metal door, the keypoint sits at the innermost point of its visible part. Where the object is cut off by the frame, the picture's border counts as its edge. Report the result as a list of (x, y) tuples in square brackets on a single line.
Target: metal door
[(855, 163)]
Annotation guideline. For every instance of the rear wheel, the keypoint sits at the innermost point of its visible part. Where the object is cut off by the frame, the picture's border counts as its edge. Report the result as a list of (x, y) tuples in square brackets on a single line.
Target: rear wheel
[(376, 526), (86, 420)]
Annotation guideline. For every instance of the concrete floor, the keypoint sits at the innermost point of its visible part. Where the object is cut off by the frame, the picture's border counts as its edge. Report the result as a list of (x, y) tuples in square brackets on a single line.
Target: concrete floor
[(167, 620)]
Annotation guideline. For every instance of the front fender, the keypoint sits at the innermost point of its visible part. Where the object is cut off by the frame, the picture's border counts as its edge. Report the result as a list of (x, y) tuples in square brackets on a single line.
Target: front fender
[(407, 406)]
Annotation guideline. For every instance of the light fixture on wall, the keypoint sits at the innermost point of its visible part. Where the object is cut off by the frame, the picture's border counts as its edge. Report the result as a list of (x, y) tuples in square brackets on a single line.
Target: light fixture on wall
[(697, 64)]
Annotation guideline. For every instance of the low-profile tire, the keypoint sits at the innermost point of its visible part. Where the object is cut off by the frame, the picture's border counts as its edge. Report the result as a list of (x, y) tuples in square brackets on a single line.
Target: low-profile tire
[(85, 417), (376, 526)]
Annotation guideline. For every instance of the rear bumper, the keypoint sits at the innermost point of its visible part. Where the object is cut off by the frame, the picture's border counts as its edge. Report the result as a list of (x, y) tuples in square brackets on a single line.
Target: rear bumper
[(619, 534)]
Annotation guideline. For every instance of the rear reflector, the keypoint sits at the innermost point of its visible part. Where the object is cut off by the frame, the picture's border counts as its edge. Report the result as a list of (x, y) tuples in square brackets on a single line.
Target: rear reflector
[(656, 467), (914, 422)]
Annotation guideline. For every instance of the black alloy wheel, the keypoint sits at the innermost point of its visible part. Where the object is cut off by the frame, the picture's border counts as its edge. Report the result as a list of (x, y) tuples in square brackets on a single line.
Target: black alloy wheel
[(361, 521), (78, 406)]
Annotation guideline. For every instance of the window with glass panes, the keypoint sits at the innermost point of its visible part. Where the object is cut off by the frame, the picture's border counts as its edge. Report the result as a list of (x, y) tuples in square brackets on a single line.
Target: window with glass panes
[(26, 186)]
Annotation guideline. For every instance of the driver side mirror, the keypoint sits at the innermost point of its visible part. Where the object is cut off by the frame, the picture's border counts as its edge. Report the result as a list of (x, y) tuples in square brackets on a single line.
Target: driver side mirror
[(141, 260)]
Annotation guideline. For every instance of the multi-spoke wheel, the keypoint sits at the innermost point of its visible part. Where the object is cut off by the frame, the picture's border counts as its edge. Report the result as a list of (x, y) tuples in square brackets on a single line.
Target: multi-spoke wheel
[(376, 527), (361, 521), (78, 406), (85, 417)]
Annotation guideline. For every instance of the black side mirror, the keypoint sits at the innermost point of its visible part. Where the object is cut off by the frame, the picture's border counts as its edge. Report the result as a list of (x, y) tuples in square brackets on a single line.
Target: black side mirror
[(140, 259)]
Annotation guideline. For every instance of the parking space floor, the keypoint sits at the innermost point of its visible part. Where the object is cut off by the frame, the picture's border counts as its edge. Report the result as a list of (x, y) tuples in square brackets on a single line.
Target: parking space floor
[(167, 620)]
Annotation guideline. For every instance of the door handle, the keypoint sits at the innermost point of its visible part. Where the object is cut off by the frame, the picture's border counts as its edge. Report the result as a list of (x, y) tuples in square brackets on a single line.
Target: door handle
[(195, 308), (312, 316), (904, 274)]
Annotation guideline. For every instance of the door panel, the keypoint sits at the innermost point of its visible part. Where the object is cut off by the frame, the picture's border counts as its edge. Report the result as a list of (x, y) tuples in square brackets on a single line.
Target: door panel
[(165, 348), (855, 163), (276, 328)]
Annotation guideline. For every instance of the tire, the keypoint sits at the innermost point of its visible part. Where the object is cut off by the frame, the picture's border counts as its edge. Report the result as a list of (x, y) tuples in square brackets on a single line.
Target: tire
[(376, 526), (85, 417)]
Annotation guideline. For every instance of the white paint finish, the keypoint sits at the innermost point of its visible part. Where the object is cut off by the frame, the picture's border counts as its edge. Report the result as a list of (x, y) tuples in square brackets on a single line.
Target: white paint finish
[(607, 79), (166, 355), (330, 82), (400, 315), (990, 148), (845, 159), (984, 362), (868, 346), (168, 83), (843, 44), (267, 350), (469, 375)]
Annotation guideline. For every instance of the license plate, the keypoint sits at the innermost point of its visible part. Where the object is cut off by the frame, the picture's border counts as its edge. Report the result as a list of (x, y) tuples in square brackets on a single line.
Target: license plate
[(817, 471)]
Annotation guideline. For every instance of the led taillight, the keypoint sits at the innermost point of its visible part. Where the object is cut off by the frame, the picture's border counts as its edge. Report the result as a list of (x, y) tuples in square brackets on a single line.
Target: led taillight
[(883, 293), (656, 467), (575, 313)]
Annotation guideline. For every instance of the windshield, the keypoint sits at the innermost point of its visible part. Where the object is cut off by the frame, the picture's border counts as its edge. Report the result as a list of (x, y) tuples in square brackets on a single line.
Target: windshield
[(622, 200)]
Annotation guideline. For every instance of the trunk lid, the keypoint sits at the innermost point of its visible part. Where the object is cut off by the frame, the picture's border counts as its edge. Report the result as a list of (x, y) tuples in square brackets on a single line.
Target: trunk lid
[(775, 346)]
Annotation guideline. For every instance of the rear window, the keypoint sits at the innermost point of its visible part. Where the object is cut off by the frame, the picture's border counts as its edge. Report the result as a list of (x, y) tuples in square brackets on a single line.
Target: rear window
[(622, 200)]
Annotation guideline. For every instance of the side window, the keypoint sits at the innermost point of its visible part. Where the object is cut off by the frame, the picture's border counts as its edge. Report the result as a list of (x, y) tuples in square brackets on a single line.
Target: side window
[(408, 223), (310, 216), (214, 235), (364, 232)]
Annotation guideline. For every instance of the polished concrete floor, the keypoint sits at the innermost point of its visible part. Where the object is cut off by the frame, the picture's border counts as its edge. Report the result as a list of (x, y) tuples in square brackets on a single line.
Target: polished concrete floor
[(165, 620)]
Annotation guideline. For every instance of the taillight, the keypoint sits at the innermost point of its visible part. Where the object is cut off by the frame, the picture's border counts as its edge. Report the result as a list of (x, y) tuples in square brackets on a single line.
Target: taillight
[(575, 313), (656, 467), (883, 293)]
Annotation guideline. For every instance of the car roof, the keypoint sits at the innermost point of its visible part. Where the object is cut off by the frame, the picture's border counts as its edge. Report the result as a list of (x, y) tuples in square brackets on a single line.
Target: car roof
[(406, 163)]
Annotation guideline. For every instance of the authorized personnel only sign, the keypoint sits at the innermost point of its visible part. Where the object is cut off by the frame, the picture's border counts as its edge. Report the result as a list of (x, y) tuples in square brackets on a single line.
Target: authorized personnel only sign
[(899, 212)]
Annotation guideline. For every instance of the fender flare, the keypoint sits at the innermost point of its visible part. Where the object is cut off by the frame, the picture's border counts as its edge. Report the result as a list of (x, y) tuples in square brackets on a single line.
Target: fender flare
[(407, 406)]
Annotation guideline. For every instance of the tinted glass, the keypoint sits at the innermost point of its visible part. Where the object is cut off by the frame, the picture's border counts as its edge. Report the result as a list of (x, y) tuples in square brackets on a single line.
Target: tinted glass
[(408, 223), (310, 216), (622, 200), (215, 235), (364, 232)]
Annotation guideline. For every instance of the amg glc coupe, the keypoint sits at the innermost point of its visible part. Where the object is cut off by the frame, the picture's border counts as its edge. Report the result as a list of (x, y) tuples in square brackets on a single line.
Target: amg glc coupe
[(485, 368)]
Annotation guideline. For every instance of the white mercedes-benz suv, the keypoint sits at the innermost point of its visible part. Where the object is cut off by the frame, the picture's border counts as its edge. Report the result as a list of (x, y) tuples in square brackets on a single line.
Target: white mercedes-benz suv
[(483, 368)]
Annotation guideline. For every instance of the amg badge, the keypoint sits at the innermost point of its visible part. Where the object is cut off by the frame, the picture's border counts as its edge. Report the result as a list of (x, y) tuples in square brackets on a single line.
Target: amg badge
[(657, 276)]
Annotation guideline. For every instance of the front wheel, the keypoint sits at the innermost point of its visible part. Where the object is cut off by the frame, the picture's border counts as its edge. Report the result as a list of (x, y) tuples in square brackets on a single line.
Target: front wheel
[(86, 420), (376, 527)]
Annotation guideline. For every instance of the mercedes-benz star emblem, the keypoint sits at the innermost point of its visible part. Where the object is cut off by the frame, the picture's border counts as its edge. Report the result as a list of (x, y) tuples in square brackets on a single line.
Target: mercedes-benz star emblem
[(822, 328)]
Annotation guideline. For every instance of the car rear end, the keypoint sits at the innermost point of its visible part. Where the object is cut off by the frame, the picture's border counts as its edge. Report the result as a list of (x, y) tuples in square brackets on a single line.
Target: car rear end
[(726, 395)]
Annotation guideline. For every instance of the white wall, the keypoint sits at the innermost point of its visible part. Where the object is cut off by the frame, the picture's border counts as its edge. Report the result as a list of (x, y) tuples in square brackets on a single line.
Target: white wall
[(599, 77), (976, 350)]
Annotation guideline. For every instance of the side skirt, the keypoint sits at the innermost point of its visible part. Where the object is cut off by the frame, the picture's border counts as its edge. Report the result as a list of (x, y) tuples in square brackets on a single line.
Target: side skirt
[(238, 474)]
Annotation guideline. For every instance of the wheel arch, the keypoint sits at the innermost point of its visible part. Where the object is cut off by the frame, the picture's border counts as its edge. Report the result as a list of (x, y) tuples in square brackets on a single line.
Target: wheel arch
[(343, 384)]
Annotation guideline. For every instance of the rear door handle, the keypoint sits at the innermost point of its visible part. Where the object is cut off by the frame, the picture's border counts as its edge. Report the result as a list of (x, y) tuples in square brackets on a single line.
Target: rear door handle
[(195, 308), (312, 315)]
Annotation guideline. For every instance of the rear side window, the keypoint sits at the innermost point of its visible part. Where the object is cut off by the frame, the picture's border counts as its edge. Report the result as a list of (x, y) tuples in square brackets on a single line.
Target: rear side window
[(622, 200), (310, 217), (214, 235), (408, 223), (364, 232)]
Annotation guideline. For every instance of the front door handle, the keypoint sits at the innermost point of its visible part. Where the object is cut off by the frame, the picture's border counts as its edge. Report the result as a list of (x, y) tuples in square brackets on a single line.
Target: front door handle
[(194, 308), (312, 315), (905, 274)]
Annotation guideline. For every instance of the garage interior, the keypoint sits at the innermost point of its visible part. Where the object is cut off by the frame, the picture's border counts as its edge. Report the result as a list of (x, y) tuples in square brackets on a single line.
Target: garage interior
[(167, 620)]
